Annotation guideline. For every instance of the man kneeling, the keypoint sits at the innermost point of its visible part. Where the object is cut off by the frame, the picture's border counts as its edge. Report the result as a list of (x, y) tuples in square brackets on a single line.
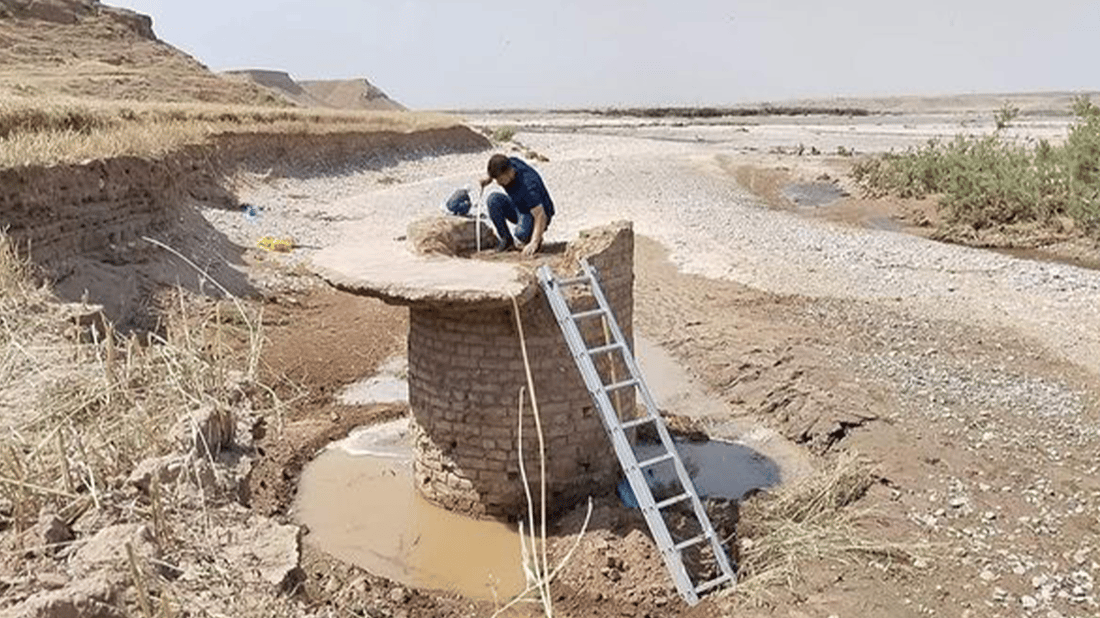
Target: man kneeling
[(525, 203)]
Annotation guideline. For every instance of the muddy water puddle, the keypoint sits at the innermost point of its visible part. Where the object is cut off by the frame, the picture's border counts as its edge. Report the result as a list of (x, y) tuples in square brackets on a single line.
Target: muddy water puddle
[(813, 194), (718, 469), (360, 504)]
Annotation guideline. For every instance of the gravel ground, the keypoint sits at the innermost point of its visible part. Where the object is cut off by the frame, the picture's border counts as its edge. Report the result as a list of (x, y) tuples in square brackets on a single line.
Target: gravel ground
[(675, 192)]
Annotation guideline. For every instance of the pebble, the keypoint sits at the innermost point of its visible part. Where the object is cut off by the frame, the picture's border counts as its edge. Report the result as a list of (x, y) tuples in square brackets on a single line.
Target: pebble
[(399, 595)]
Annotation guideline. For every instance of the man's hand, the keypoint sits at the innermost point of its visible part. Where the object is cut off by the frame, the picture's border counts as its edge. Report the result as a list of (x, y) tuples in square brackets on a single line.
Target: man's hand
[(539, 213)]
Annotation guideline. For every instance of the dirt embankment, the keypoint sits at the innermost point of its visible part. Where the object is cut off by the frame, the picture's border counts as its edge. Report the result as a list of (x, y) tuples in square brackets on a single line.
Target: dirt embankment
[(84, 224)]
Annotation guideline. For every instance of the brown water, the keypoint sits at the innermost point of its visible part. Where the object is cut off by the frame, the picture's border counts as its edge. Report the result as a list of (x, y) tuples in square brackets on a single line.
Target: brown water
[(361, 506)]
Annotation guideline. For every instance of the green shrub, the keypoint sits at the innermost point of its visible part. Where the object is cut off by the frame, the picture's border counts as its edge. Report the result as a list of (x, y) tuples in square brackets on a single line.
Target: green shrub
[(504, 134), (984, 181), (1004, 116)]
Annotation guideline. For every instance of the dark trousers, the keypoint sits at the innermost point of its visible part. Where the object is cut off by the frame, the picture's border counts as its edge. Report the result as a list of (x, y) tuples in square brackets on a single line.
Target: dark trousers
[(502, 211)]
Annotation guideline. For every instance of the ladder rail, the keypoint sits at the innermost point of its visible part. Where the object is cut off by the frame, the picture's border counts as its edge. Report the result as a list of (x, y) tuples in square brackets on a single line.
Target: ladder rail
[(670, 549), (623, 450), (666, 439)]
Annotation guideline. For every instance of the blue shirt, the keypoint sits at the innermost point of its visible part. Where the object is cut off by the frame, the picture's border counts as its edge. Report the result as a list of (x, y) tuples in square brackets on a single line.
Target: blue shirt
[(527, 190)]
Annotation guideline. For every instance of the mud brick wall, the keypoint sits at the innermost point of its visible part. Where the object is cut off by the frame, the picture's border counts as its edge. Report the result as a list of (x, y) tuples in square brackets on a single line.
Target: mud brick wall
[(465, 374), (95, 209), (62, 211)]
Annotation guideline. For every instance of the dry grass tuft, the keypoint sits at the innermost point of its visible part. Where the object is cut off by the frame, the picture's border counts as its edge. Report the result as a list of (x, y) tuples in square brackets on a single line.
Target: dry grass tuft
[(113, 401), (80, 407), (808, 522), (54, 130)]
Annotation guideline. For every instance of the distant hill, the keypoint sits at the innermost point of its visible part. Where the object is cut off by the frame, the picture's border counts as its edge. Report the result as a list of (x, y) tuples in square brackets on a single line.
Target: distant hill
[(350, 94), (82, 48), (279, 82), (355, 94)]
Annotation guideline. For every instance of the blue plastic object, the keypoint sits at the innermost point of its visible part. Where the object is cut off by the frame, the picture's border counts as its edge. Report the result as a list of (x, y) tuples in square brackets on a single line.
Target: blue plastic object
[(459, 203)]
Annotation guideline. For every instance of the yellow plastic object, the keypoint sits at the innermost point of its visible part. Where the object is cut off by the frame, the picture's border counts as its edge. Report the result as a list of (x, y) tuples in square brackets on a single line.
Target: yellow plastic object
[(280, 245)]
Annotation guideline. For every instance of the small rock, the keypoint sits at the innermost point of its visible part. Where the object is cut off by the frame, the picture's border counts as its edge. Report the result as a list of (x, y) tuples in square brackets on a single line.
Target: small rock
[(203, 474), (50, 531), (165, 469), (51, 581), (87, 597), (987, 575), (208, 430), (958, 502), (265, 550), (1029, 602), (399, 595), (359, 586), (107, 549)]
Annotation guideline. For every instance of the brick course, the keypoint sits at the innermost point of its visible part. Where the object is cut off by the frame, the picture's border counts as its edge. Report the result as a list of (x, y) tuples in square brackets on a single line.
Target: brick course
[(465, 374)]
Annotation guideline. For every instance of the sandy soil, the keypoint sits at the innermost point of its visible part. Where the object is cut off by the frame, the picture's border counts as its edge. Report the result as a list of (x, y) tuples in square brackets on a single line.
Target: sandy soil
[(967, 378)]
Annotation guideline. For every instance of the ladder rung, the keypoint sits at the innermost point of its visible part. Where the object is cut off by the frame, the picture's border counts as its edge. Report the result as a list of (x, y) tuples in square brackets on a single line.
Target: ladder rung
[(605, 348), (714, 583), (620, 385), (574, 281), (638, 421), (587, 314), (656, 460), (690, 542), (673, 500)]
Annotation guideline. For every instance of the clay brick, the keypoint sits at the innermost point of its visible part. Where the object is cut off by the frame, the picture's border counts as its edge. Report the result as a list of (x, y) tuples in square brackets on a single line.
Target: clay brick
[(465, 372)]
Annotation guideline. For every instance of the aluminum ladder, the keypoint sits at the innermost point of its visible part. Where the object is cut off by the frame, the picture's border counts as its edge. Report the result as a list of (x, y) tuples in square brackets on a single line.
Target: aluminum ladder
[(671, 550)]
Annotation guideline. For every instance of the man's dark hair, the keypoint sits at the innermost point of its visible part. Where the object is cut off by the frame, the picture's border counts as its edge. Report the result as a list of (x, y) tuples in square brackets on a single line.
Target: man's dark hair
[(498, 164)]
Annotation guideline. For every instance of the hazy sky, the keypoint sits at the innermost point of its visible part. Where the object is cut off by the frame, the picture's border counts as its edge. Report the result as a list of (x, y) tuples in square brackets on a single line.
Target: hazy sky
[(555, 53)]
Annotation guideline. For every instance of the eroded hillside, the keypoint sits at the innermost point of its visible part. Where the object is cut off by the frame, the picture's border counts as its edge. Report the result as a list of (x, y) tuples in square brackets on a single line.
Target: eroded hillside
[(82, 48)]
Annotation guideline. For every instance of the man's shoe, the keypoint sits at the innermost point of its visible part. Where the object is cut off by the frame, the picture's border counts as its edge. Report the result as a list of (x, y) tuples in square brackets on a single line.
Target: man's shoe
[(503, 246)]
